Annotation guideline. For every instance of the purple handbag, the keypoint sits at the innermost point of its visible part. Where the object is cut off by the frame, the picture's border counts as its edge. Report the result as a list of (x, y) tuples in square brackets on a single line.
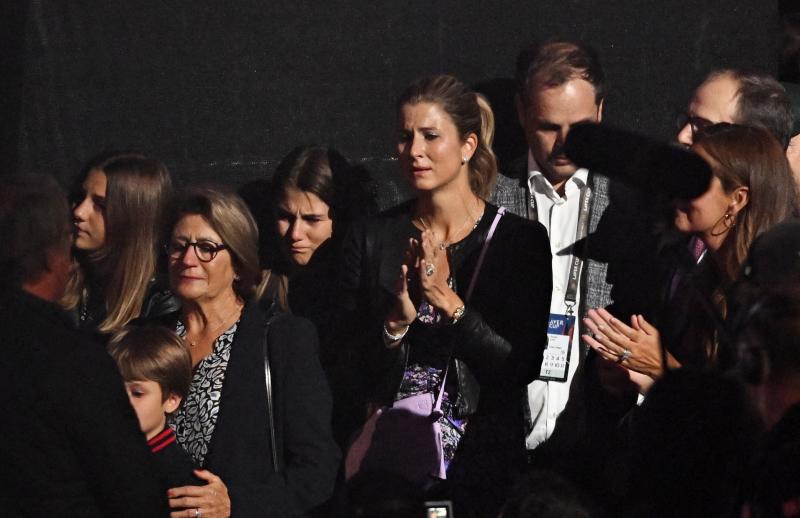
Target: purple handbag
[(406, 438)]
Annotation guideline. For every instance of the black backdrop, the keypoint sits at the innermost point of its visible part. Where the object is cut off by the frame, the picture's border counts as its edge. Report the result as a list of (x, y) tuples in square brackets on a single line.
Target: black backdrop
[(221, 90)]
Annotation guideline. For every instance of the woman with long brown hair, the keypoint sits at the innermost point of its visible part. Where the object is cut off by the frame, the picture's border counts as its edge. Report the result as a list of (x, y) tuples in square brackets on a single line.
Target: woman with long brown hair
[(118, 220), (751, 190)]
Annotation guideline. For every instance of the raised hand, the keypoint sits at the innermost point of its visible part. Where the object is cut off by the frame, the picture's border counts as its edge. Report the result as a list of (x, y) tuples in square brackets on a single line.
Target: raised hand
[(434, 271), (404, 311), (637, 348)]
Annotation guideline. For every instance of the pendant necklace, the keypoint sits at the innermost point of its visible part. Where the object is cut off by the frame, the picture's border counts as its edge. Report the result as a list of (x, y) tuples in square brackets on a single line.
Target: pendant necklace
[(192, 343), (442, 243)]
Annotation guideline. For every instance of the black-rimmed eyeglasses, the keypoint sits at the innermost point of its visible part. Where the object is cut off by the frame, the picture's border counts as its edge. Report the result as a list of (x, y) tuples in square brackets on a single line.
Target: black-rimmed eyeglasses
[(696, 124), (205, 251)]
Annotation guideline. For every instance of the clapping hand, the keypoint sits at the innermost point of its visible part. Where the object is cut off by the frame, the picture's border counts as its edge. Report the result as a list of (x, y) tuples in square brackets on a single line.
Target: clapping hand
[(425, 270), (434, 272), (636, 347), (404, 311)]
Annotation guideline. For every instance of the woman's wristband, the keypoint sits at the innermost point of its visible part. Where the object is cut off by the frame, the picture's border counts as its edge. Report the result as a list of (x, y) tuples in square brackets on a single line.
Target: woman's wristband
[(457, 314), (390, 338)]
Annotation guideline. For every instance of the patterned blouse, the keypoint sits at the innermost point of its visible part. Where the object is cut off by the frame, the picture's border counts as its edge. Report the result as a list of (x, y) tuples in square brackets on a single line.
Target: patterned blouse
[(195, 419)]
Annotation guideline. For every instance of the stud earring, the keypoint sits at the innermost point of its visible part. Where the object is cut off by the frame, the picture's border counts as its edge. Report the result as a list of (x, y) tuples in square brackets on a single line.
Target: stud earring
[(463, 159)]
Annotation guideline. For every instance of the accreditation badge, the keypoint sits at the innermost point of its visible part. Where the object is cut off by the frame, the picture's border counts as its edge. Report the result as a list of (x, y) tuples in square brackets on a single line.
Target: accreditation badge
[(555, 363)]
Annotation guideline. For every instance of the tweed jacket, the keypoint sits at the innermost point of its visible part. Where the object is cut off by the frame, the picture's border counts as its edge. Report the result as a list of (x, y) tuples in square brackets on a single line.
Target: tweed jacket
[(618, 251), (619, 273)]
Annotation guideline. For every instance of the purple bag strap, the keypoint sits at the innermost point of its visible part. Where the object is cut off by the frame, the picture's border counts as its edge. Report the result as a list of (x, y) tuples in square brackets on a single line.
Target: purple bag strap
[(500, 211)]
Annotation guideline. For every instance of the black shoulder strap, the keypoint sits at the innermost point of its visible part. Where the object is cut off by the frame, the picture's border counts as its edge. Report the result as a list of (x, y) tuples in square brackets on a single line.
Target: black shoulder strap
[(274, 439)]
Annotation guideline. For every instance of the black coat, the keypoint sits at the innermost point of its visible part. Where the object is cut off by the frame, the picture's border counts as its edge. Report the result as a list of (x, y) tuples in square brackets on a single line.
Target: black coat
[(71, 444), (240, 452), (497, 344)]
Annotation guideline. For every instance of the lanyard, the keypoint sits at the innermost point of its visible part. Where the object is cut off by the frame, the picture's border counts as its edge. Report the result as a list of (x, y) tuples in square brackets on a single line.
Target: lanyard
[(571, 295)]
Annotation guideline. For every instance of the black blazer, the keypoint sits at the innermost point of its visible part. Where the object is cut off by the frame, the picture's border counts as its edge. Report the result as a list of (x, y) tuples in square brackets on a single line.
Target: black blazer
[(240, 452), (71, 444), (501, 337), (497, 344)]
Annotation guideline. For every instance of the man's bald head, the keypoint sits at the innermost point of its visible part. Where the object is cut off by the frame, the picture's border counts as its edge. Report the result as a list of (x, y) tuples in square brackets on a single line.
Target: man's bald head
[(743, 98)]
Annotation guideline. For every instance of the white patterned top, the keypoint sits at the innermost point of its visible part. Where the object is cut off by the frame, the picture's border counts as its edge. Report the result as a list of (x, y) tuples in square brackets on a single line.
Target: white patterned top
[(195, 419)]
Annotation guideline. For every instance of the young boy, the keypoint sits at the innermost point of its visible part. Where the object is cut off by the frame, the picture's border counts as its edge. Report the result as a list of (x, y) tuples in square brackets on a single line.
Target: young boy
[(157, 369)]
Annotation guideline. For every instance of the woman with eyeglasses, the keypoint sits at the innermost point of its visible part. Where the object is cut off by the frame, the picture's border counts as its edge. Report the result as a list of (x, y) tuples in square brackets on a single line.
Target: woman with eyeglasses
[(257, 416), (118, 217)]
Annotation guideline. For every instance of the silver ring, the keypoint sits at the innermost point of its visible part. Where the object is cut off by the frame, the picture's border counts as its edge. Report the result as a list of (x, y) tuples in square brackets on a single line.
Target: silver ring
[(197, 513), (626, 353), (429, 269)]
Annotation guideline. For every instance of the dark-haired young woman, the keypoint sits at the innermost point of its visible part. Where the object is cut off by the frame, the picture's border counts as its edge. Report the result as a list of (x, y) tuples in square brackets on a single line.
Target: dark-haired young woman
[(316, 194)]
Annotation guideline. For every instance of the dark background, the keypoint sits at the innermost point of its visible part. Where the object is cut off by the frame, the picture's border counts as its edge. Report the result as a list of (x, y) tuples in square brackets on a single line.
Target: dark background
[(222, 90)]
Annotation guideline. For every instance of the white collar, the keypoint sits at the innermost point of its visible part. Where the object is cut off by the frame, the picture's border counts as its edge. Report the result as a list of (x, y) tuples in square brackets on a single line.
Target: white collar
[(538, 183)]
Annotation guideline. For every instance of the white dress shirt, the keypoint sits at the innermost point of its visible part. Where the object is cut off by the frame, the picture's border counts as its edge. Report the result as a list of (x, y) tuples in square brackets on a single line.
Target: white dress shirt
[(559, 215)]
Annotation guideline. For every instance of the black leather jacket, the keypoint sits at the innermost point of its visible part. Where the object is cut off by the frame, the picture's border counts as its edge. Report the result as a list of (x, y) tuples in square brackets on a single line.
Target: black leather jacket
[(91, 311), (497, 345)]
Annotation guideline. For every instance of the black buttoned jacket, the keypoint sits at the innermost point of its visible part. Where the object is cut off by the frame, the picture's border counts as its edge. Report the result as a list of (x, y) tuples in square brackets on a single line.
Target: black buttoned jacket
[(240, 451)]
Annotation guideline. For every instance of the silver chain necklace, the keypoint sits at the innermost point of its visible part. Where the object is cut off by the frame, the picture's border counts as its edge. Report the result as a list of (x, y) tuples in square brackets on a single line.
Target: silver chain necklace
[(442, 243)]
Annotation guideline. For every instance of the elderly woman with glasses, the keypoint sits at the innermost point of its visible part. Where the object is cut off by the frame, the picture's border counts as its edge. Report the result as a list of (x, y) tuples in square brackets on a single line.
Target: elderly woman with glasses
[(257, 416)]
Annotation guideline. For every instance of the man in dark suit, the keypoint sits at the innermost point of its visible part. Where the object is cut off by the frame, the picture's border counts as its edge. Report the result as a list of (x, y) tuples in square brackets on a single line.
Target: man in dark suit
[(71, 444)]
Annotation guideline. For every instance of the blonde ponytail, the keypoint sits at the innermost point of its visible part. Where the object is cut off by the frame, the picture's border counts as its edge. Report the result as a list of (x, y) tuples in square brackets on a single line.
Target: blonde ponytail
[(483, 165)]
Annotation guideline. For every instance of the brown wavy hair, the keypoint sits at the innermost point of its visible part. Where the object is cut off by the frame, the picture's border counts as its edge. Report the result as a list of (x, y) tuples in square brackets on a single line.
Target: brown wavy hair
[(750, 157)]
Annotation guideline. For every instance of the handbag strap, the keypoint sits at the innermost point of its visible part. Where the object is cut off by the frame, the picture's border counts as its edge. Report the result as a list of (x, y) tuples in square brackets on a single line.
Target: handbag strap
[(273, 436), (500, 211)]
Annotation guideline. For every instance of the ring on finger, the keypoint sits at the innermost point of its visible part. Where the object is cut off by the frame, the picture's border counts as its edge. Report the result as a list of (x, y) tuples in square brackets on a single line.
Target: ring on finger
[(626, 353), (430, 269)]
